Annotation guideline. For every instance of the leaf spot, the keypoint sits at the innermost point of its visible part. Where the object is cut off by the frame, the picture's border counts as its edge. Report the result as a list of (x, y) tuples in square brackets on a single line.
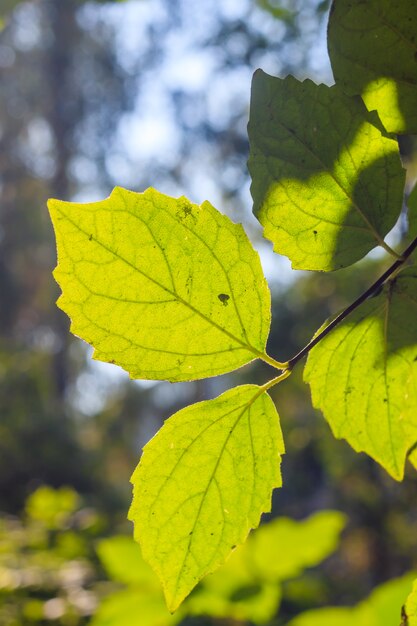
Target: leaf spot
[(224, 297)]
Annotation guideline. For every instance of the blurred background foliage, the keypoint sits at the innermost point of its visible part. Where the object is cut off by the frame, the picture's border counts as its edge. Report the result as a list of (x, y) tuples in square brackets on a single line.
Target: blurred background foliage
[(155, 93)]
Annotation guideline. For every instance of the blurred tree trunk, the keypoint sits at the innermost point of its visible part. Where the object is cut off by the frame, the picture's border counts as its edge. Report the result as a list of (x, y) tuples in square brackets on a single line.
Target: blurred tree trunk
[(63, 112)]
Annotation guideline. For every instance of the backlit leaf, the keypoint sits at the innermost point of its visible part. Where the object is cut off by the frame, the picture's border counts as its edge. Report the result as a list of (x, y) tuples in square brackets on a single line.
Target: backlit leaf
[(134, 607), (247, 586), (373, 52), (122, 560), (256, 601), (52, 507), (381, 608), (203, 482), (162, 287), (327, 185), (410, 608), (363, 375), (331, 616), (285, 547)]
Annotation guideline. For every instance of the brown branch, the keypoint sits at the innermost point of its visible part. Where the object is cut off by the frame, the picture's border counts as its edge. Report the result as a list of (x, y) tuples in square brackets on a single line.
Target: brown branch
[(364, 296)]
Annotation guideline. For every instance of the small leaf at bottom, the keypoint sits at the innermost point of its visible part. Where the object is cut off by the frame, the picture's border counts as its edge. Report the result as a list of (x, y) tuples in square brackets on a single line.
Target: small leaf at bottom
[(202, 484), (410, 608)]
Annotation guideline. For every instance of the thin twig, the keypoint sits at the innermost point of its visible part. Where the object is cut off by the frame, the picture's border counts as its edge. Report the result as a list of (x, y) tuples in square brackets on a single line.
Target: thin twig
[(364, 296)]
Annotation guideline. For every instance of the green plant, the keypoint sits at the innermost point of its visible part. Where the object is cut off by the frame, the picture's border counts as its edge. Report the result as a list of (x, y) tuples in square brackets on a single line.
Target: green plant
[(379, 609), (409, 611), (246, 588), (46, 560), (171, 290)]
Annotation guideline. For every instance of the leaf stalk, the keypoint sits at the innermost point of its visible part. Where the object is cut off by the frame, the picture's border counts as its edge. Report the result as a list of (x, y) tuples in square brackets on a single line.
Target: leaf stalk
[(395, 267), (289, 365)]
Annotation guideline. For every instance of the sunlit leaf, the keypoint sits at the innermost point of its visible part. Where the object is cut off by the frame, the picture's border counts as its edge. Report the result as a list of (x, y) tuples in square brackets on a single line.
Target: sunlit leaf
[(410, 608), (203, 482), (122, 560), (277, 11), (162, 287), (327, 185), (363, 375), (284, 548), (332, 616), (373, 51), (133, 607), (236, 590), (247, 586), (223, 597), (381, 608), (52, 507)]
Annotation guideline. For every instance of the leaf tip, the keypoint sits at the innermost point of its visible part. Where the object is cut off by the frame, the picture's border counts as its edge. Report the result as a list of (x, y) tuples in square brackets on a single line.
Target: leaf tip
[(52, 206), (50, 202), (173, 602)]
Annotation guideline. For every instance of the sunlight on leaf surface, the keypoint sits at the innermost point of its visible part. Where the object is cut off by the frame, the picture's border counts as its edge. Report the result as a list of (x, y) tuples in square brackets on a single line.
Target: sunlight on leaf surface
[(381, 608), (410, 609), (133, 607), (327, 185), (248, 586), (52, 507), (256, 601), (162, 287), (363, 375), (285, 547), (142, 603), (203, 482), (123, 562), (373, 52)]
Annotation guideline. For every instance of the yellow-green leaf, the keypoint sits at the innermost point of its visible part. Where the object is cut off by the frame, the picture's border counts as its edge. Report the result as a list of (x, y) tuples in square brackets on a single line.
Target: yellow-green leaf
[(363, 375), (123, 562), (327, 186), (331, 616), (162, 287), (228, 597), (247, 586), (284, 548), (410, 608), (203, 482), (373, 52), (134, 607), (52, 507), (381, 608)]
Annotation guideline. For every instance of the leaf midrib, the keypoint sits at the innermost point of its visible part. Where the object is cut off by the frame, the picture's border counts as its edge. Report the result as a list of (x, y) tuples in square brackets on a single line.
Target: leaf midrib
[(193, 233), (246, 407)]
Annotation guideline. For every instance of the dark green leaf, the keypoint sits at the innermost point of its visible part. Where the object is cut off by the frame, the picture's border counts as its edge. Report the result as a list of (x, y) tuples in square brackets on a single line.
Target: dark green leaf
[(327, 185), (373, 51)]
